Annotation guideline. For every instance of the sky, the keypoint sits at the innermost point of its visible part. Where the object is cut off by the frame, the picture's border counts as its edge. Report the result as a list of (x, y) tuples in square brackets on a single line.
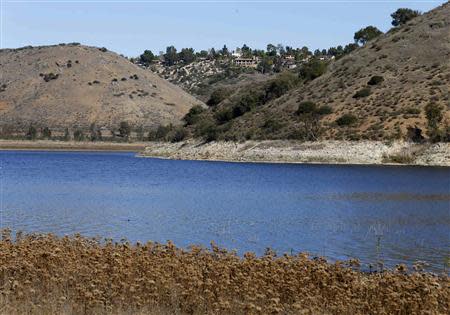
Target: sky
[(130, 27)]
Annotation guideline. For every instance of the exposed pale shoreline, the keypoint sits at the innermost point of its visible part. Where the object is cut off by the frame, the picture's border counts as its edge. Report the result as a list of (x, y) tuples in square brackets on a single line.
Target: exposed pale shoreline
[(50, 145), (321, 152), (269, 151)]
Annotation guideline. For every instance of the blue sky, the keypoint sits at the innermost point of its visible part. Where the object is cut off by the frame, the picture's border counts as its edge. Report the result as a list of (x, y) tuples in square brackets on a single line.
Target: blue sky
[(129, 27)]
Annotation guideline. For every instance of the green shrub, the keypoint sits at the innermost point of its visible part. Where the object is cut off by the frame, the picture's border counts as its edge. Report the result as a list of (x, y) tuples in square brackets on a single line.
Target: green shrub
[(364, 92), (346, 120), (78, 135), (207, 129), (224, 115), (50, 76), (376, 79), (160, 133), (66, 136), (124, 129), (46, 133), (412, 111), (247, 103), (272, 125), (31, 133), (434, 114), (312, 70), (306, 107), (280, 85), (218, 96), (178, 134), (95, 132), (324, 110), (193, 115)]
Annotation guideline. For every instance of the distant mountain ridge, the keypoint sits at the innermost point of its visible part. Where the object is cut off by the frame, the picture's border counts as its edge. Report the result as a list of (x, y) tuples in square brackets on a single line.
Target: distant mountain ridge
[(71, 85)]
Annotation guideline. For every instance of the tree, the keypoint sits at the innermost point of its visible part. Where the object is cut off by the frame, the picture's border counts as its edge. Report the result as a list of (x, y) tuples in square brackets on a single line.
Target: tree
[(280, 85), (66, 134), (171, 56), (46, 133), (347, 120), (187, 55), (350, 47), (313, 69), (403, 15), (178, 134), (271, 50), (95, 133), (78, 135), (202, 54), (31, 133), (212, 54), (140, 133), (218, 96), (246, 51), (280, 49), (332, 51), (305, 52), (160, 133), (124, 129), (365, 34), (306, 107), (193, 115), (225, 52), (266, 65), (147, 57), (207, 129), (434, 115)]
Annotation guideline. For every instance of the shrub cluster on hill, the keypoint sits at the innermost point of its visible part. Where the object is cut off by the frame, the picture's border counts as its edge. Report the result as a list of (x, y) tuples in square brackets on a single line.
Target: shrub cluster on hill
[(49, 76)]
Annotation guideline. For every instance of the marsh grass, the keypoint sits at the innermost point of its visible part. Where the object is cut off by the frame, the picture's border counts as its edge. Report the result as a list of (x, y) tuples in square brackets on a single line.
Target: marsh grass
[(45, 274)]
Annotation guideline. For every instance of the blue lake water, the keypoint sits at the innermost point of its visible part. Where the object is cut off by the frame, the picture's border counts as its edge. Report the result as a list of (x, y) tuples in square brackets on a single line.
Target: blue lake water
[(338, 212)]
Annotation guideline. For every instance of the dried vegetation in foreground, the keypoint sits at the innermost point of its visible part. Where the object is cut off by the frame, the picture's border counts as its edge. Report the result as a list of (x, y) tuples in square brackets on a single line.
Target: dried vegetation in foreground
[(44, 274)]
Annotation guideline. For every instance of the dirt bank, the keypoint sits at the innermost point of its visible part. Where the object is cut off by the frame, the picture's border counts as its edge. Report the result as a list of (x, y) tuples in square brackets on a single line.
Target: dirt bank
[(71, 146), (334, 152)]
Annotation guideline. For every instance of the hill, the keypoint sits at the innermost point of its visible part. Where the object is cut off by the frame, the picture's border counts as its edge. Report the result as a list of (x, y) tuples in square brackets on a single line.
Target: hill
[(202, 77), (71, 85), (376, 92)]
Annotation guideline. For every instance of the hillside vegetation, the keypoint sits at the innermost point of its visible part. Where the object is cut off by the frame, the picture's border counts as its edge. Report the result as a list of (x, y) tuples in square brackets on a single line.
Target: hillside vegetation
[(201, 78), (395, 86), (74, 86)]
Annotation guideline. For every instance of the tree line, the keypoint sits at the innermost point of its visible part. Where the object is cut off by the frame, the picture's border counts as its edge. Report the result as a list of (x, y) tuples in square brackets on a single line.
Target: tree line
[(273, 53)]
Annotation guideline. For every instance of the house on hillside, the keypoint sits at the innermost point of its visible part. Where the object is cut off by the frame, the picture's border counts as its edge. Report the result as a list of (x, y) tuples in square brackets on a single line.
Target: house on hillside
[(288, 62), (289, 58), (246, 62), (237, 53)]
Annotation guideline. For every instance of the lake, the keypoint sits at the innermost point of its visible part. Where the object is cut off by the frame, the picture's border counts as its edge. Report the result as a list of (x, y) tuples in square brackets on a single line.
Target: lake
[(393, 214)]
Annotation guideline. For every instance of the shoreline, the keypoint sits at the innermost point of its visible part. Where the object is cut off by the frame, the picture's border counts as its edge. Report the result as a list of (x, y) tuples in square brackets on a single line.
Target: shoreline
[(330, 152), (295, 152), (50, 145)]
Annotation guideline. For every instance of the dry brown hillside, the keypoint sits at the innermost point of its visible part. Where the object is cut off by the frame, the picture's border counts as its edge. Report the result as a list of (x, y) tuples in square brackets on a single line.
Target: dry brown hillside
[(73, 86), (414, 63)]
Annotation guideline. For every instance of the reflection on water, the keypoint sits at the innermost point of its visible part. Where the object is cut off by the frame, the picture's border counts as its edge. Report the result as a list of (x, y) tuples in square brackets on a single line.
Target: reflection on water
[(387, 196), (396, 214)]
